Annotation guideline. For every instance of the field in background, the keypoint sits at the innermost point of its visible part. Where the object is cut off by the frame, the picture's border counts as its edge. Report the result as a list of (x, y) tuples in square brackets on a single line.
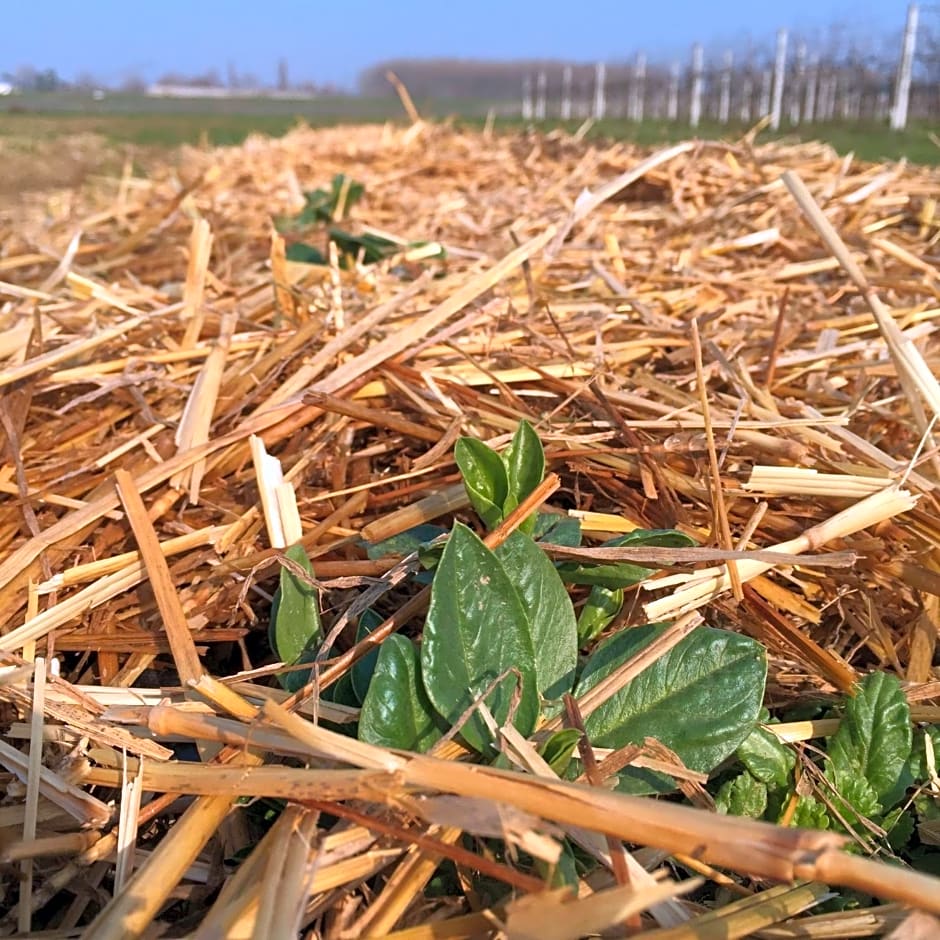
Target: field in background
[(99, 132)]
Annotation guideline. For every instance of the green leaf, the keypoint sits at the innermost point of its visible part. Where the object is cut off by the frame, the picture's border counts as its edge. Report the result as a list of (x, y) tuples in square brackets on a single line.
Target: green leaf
[(742, 795), (653, 538), (701, 698), (476, 628), (342, 693), (874, 738), (927, 806), (405, 543), (558, 750), (304, 253), (811, 814), (767, 757), (362, 669), (484, 478), (558, 530), (320, 205), (899, 828), (548, 611), (855, 800), (598, 612), (396, 711), (564, 873), (920, 770), (926, 859), (354, 192), (524, 460), (371, 247), (295, 613), (614, 575)]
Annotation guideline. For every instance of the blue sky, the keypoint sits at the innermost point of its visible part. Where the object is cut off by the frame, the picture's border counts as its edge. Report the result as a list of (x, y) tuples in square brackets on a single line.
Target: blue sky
[(333, 41)]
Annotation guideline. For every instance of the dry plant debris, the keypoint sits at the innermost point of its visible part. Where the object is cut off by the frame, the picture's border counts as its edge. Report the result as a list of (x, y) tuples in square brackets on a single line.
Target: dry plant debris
[(732, 339)]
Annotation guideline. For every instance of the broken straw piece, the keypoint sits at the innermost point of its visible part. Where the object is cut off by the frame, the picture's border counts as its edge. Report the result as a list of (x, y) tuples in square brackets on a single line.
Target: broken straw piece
[(270, 476)]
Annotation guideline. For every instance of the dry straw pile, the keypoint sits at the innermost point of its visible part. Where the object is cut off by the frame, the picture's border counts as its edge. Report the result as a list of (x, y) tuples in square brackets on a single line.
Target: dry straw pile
[(732, 339)]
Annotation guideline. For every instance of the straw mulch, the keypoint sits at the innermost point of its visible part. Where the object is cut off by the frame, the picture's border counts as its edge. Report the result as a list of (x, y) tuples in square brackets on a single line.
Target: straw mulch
[(681, 317)]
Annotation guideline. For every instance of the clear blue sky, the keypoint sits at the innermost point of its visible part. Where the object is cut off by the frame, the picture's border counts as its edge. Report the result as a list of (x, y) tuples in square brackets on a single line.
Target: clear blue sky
[(332, 41)]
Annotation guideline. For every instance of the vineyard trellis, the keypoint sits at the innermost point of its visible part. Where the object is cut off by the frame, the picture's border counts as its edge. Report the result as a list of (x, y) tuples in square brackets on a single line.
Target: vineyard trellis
[(790, 88)]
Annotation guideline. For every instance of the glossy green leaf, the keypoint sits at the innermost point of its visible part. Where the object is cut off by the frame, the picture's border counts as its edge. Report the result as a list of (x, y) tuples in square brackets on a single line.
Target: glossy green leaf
[(295, 617), (558, 750), (548, 612), (362, 669), (602, 605), (702, 698), (652, 538), (742, 795), (614, 575), (342, 693), (396, 711), (371, 248), (874, 738), (524, 460), (767, 757), (304, 253), (484, 478), (477, 628), (405, 543), (557, 529)]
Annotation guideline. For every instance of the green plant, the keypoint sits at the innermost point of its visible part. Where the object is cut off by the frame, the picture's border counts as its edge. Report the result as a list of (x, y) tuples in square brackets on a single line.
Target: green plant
[(324, 206), (501, 630), (497, 483), (861, 779), (295, 629)]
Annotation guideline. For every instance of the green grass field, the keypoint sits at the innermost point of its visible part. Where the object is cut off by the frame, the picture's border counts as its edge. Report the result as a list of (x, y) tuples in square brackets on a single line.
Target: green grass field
[(29, 124)]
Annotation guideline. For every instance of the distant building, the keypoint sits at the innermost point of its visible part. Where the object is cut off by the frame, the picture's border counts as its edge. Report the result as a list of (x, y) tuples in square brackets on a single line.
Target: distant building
[(167, 90)]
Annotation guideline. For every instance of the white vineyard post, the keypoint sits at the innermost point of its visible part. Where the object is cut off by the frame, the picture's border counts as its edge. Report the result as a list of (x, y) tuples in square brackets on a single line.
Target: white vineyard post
[(566, 93), (541, 91), (902, 87), (845, 86), (672, 105), (724, 100), (828, 108), (799, 81), (809, 98), (823, 109), (638, 89), (780, 67), (600, 97), (695, 102), (747, 92), (833, 96), (527, 98), (763, 101)]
